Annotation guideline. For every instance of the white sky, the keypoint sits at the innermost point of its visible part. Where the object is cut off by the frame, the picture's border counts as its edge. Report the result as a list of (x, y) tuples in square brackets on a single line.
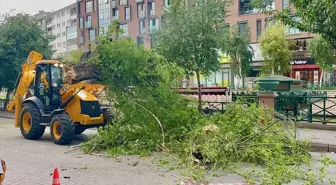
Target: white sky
[(33, 6)]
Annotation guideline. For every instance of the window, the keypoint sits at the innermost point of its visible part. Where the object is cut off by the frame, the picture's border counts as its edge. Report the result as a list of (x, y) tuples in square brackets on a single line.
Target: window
[(63, 23), (63, 34), (153, 24), (89, 6), (115, 14), (74, 21), (122, 2), (88, 21), (68, 22), (151, 8), (124, 27), (81, 22), (140, 40), (285, 4), (259, 29), (242, 27), (140, 10), (127, 13), (58, 25), (63, 44), (293, 30), (167, 3), (58, 16), (92, 35), (142, 26), (59, 45), (63, 14), (58, 35)]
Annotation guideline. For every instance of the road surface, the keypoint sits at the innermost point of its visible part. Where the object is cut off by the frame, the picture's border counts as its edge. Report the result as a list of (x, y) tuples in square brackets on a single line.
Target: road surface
[(32, 163)]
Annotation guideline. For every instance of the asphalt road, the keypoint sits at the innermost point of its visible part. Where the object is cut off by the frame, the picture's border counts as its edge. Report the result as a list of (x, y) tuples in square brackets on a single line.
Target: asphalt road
[(33, 162)]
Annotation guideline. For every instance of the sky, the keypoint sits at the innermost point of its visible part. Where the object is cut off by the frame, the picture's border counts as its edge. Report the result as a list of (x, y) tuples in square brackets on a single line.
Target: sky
[(32, 6)]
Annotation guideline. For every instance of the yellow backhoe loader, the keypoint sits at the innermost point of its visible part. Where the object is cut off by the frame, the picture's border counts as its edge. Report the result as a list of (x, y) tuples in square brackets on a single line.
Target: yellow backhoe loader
[(41, 99)]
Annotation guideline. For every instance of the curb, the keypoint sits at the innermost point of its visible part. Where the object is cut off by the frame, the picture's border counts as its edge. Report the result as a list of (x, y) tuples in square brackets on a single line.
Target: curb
[(322, 147), (317, 126), (192, 182)]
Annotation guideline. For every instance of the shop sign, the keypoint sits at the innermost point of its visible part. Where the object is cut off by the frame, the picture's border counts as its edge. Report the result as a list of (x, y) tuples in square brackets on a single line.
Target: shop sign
[(302, 61)]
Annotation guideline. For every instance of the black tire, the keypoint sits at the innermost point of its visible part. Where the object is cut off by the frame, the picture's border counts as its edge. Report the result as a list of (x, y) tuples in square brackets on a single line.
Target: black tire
[(62, 129), (79, 129), (36, 131)]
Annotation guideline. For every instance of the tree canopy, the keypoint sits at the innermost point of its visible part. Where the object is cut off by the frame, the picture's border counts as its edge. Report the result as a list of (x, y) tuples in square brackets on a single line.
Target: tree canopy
[(190, 35), (19, 35), (236, 45), (275, 49)]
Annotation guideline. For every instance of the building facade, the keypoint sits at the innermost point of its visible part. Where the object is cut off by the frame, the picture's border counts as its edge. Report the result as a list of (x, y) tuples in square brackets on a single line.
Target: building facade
[(137, 18), (303, 66), (62, 24)]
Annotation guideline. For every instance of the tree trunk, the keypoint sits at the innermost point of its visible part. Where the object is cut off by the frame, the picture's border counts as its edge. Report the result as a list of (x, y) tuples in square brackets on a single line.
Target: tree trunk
[(321, 77), (199, 91)]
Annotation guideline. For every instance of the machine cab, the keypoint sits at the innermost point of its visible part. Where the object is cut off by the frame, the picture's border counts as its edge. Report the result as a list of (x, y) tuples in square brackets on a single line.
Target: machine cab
[(47, 85)]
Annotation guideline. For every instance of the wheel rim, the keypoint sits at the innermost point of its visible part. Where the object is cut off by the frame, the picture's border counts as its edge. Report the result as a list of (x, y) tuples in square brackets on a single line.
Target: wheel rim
[(26, 122), (57, 129)]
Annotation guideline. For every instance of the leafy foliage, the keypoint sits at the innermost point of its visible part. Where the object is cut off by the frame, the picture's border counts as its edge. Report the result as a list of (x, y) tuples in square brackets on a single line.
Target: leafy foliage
[(19, 35), (322, 50), (316, 16), (151, 117), (236, 45), (275, 49), (190, 35), (73, 57)]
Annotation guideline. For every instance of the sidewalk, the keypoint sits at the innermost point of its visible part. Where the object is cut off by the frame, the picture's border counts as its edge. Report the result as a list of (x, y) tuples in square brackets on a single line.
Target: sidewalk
[(5, 114)]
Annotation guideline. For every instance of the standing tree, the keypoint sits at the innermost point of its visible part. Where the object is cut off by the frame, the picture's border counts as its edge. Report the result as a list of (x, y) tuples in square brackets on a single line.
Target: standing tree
[(322, 50), (19, 35), (275, 49), (236, 45), (190, 36), (316, 16)]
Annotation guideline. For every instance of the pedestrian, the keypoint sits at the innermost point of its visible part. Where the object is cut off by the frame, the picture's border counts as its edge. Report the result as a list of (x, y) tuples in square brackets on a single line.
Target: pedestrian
[(2, 170)]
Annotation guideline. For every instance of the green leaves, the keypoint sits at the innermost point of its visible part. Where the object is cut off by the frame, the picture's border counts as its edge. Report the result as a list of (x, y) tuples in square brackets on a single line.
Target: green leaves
[(19, 35), (188, 36), (275, 49), (322, 50), (236, 45)]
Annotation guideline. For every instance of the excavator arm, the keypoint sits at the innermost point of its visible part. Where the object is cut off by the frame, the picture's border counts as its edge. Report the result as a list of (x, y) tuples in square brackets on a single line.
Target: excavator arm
[(25, 79)]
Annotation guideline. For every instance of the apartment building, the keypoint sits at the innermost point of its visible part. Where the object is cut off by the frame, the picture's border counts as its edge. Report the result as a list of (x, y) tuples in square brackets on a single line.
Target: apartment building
[(62, 24), (138, 18), (302, 65)]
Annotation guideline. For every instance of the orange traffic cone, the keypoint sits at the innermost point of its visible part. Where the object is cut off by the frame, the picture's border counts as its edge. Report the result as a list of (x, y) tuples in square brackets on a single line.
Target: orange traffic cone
[(56, 179)]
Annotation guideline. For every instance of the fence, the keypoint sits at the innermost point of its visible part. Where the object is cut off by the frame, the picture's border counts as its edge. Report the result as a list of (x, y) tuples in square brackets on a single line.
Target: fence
[(309, 107)]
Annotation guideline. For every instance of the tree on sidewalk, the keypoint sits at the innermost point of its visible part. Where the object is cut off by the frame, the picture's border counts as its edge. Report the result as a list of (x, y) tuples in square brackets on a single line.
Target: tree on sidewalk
[(322, 50), (275, 49), (190, 36), (236, 45)]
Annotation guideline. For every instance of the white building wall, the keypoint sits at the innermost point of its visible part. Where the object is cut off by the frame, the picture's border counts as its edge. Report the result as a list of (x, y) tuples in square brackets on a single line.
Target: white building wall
[(60, 21)]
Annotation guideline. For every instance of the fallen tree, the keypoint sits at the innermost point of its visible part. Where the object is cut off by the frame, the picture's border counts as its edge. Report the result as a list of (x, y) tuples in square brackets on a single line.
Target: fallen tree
[(83, 71)]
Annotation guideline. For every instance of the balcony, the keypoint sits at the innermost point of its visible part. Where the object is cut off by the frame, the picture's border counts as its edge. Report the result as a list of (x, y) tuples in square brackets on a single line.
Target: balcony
[(115, 18), (300, 54)]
